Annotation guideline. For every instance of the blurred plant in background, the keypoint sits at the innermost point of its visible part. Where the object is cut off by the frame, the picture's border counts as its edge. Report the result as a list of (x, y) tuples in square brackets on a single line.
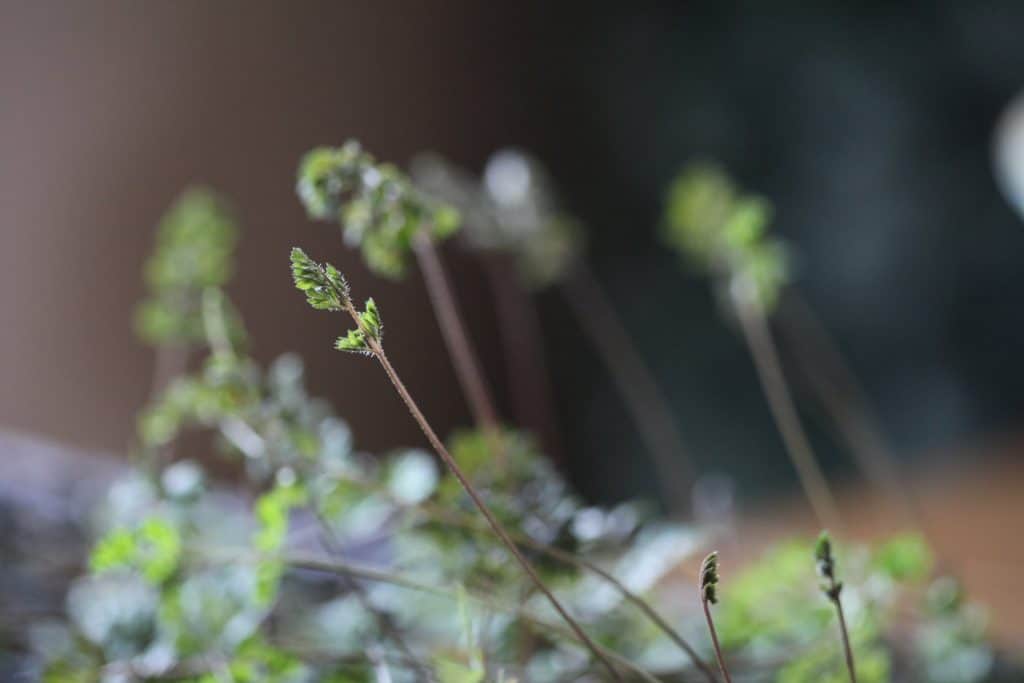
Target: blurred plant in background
[(335, 565)]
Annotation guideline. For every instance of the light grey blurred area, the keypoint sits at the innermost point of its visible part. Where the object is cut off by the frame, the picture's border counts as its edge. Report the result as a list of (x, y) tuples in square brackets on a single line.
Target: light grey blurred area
[(109, 109)]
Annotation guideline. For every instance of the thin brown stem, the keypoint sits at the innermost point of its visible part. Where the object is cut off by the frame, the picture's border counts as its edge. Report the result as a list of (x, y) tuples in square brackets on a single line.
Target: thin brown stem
[(847, 650), (496, 526), (583, 564), (780, 401), (714, 641), (371, 574), (456, 339), (834, 385), (634, 381)]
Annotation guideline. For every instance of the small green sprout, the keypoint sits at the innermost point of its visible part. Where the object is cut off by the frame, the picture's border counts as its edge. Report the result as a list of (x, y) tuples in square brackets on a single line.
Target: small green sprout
[(708, 582), (709, 578), (327, 290), (827, 567), (370, 326), (832, 589), (377, 207)]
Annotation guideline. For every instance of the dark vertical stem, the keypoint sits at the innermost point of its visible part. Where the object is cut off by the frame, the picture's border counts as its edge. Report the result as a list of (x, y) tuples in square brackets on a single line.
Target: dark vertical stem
[(495, 525), (456, 339), (773, 383), (847, 649), (634, 380), (714, 641)]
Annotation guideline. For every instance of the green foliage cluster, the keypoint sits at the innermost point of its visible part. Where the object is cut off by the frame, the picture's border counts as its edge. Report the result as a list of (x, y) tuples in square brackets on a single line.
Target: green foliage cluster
[(379, 210), (194, 250), (719, 229), (326, 289)]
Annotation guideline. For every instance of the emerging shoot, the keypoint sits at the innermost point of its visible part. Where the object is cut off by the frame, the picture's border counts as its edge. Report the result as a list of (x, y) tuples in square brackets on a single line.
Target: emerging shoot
[(708, 582), (832, 589), (326, 289)]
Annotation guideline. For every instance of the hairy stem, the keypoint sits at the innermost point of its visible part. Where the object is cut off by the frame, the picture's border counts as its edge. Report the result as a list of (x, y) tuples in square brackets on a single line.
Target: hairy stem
[(442, 452), (456, 339), (714, 641), (780, 401), (634, 380)]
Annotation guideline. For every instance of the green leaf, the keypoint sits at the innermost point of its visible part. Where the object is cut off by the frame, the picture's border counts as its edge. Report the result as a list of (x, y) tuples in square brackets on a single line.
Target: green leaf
[(354, 342), (273, 510), (153, 549), (324, 286)]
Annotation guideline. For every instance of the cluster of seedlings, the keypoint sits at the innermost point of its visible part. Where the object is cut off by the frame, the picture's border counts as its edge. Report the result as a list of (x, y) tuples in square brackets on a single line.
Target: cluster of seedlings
[(346, 567)]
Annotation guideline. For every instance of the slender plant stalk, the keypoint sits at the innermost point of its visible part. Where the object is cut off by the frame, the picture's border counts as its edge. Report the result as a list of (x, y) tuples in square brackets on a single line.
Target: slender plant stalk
[(844, 399), (708, 583), (378, 352), (580, 563), (634, 380), (456, 339), (847, 650), (832, 588), (444, 515), (714, 641), (773, 383)]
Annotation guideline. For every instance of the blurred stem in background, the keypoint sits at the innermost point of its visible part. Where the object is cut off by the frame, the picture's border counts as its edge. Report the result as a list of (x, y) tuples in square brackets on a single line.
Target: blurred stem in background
[(456, 339), (636, 384), (512, 217), (836, 388), (758, 337), (522, 346)]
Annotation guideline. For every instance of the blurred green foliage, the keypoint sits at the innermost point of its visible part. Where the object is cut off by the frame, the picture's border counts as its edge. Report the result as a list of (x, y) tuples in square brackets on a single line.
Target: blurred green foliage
[(341, 566), (723, 232), (194, 250), (379, 210)]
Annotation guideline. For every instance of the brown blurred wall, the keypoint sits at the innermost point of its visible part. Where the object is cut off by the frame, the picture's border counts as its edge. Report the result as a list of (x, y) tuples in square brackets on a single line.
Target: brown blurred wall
[(108, 109)]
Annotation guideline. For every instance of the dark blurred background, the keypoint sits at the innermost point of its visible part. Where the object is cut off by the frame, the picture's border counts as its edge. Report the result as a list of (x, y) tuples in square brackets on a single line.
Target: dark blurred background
[(868, 125)]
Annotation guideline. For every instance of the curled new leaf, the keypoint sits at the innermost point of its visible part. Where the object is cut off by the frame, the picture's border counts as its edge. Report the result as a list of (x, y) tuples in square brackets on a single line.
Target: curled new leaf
[(827, 566), (709, 578)]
